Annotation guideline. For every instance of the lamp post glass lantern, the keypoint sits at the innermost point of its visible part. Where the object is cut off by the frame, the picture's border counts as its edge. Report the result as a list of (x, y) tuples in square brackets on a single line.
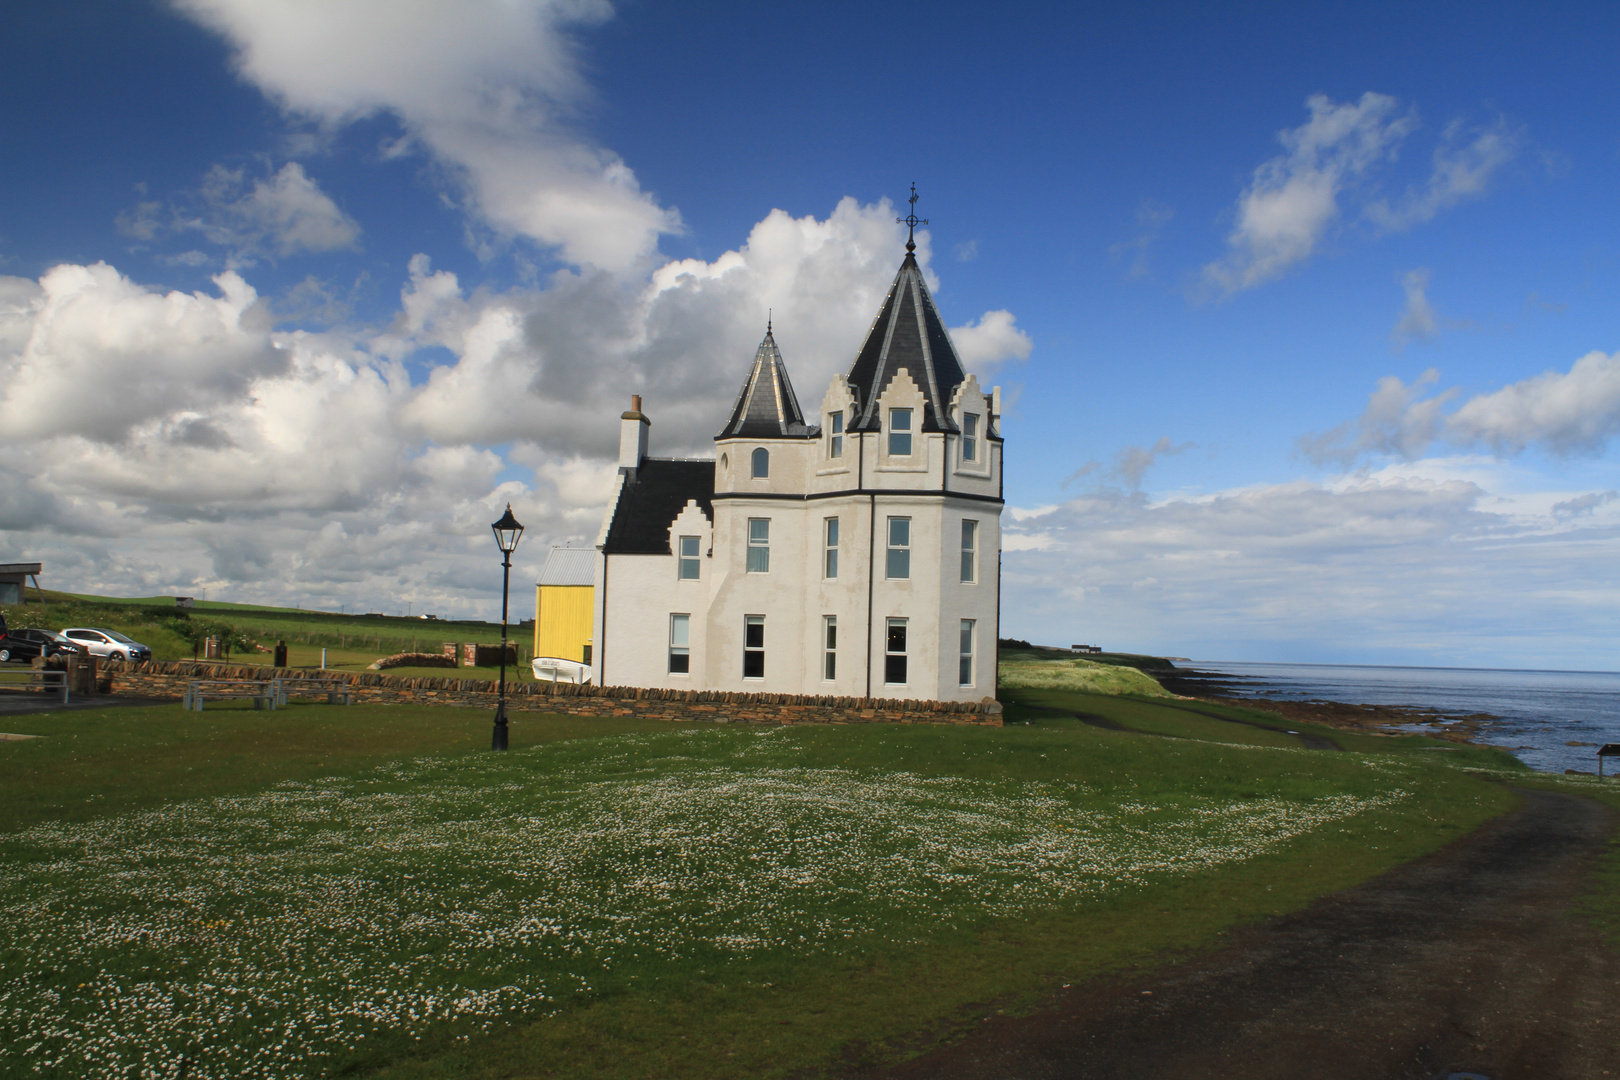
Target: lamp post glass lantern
[(507, 534)]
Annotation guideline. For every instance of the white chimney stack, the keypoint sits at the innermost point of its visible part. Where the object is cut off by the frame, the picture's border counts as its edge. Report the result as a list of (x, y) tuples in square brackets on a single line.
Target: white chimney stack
[(633, 427)]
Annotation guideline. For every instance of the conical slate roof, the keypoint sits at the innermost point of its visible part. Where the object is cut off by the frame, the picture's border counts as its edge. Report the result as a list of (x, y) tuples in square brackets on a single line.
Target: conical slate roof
[(907, 333), (766, 408)]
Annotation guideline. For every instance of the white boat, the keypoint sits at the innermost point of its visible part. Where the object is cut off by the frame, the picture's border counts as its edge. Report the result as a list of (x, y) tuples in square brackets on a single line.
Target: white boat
[(553, 669)]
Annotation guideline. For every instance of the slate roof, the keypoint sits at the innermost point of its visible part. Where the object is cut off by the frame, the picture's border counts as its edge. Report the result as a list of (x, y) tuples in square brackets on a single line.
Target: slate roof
[(568, 566), (766, 408), (651, 499), (907, 333)]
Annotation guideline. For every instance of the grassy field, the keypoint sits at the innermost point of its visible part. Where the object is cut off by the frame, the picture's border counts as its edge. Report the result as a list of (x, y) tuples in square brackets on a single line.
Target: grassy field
[(366, 890), (351, 641)]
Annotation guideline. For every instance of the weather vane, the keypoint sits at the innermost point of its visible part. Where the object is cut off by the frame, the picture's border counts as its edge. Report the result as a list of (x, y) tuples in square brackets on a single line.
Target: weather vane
[(911, 220)]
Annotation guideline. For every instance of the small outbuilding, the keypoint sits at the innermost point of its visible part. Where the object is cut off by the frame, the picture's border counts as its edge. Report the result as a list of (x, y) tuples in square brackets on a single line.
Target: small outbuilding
[(563, 607), (14, 579)]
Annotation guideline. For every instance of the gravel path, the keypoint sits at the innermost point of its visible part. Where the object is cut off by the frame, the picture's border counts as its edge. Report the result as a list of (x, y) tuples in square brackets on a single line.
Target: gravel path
[(1467, 963)]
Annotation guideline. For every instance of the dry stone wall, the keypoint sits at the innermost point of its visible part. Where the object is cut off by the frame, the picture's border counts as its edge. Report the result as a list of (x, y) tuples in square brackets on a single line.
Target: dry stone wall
[(167, 679)]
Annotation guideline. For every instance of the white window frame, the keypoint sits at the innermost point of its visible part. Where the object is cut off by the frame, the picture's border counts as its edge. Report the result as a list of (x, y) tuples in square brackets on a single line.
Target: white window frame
[(680, 642), (970, 436), (829, 554), (965, 650), (900, 433), (835, 435), (898, 556), (749, 622), (829, 645), (890, 655), (759, 546), (970, 551), (685, 561)]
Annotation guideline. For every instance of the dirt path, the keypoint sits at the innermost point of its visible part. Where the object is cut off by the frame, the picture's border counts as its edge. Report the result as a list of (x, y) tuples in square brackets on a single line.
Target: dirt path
[(1466, 963)]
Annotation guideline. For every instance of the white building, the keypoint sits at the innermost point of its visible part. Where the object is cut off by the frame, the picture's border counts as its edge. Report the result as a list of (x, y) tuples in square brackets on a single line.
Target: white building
[(858, 556)]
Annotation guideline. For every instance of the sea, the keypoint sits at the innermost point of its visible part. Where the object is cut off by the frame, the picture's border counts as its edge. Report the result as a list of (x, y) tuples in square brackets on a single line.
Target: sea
[(1550, 720)]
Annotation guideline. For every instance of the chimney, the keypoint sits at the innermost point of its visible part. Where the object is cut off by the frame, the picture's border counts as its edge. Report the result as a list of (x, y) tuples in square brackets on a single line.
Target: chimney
[(633, 427)]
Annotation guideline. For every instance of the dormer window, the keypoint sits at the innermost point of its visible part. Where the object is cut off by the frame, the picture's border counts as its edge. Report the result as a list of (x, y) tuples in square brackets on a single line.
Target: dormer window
[(761, 464), (899, 432), (970, 436), (835, 434)]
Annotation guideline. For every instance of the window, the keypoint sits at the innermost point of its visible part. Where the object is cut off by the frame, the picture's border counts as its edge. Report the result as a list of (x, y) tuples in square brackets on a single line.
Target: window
[(835, 431), (899, 432), (964, 674), (894, 649), (680, 644), (970, 437), (899, 564), (970, 550), (829, 561), (761, 463), (587, 657), (689, 558), (829, 636), (759, 545), (753, 646)]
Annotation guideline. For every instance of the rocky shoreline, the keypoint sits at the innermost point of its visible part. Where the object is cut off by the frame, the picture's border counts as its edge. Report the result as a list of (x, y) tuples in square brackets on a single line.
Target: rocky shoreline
[(1219, 687)]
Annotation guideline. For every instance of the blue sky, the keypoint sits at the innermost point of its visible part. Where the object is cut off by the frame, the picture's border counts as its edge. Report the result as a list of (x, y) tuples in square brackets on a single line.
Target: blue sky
[(1300, 310)]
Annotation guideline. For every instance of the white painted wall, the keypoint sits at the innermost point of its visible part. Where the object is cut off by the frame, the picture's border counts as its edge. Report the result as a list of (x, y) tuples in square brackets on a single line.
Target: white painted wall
[(934, 487)]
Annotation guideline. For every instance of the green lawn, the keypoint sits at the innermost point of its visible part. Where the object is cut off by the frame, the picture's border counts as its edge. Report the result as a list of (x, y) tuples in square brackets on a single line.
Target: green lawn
[(329, 889)]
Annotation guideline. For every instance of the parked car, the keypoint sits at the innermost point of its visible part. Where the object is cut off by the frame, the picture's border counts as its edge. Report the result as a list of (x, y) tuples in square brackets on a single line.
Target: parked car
[(107, 644), (22, 645)]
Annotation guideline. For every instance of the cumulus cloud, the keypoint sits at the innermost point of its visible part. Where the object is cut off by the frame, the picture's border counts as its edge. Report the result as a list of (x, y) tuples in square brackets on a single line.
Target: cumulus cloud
[(294, 463), (1295, 198), (1569, 414), (94, 355), (1369, 567), (283, 213), (490, 88), (547, 365), (993, 339), (287, 212)]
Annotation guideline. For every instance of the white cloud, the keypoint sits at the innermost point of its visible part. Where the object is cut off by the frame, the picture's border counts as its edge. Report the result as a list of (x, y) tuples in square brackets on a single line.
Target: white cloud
[(993, 339), (1584, 504), (1569, 414), (283, 213), (287, 211), (1417, 321), (93, 354), (489, 87), (176, 441), (1462, 169), (1295, 198), (547, 365), (1356, 568)]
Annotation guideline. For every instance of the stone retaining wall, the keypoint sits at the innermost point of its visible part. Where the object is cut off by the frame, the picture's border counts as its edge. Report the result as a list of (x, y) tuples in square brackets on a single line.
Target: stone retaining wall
[(161, 679)]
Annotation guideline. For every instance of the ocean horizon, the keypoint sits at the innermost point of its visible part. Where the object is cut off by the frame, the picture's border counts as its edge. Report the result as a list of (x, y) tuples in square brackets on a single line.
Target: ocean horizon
[(1550, 719)]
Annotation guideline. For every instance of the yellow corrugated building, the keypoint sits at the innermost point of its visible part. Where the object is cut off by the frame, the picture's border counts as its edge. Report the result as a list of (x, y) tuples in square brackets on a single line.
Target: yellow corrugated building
[(562, 605)]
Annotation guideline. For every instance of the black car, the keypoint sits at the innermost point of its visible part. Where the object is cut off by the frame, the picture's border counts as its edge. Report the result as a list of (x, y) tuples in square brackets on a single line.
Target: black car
[(24, 645)]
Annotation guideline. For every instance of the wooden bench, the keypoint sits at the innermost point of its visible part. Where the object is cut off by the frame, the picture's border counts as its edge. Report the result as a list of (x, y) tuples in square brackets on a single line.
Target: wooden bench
[(261, 692), (36, 682), (333, 689)]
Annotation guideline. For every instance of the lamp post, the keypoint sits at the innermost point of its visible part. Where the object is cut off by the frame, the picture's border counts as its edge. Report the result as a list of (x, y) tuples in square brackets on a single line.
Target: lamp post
[(507, 534)]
